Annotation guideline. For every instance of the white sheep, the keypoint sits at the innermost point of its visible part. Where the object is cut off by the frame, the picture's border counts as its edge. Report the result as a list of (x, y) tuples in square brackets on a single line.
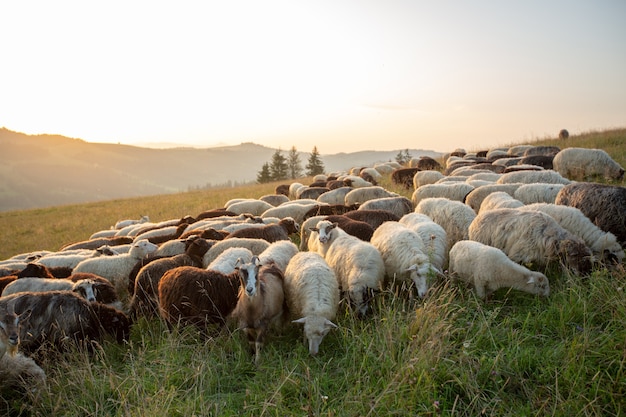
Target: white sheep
[(476, 197), (312, 295), (383, 168), (583, 163), (296, 211), (397, 205), (454, 216), (274, 199), (403, 254), (485, 176), (358, 265), (433, 235), (363, 194), (279, 253), (453, 191), (83, 287), (252, 206), (528, 177), (488, 269), (256, 246), (64, 259), (356, 181), (116, 268), (293, 189), (537, 193), (305, 233), (499, 199), (227, 261), (130, 222), (572, 219), (530, 237), (426, 177), (336, 196)]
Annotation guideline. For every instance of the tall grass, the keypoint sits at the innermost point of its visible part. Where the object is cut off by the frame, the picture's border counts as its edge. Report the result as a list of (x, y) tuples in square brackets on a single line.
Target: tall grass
[(449, 354)]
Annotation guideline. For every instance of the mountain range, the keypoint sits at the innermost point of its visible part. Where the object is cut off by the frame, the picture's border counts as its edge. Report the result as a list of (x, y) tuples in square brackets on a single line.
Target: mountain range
[(50, 170)]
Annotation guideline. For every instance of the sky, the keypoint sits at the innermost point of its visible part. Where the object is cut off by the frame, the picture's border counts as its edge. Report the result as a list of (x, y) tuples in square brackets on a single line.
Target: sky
[(340, 75)]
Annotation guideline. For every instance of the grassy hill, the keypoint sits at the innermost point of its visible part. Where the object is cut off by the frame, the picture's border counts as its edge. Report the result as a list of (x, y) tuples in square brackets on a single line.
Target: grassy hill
[(450, 354)]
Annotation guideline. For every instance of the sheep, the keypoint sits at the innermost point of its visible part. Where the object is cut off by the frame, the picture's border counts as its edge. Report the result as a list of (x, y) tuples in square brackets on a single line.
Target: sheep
[(162, 234), (213, 213), (475, 198), (295, 211), (433, 236), (373, 217), (404, 176), (199, 297), (117, 268), (84, 288), (601, 243), (484, 176), (426, 177), (35, 270), (604, 205), (583, 164), (522, 167), (356, 181), (256, 246), (537, 193), (57, 317), (270, 232), (373, 174), (145, 292), (103, 290), (542, 150), (329, 210), (454, 216), (361, 195), (312, 296), (130, 222), (227, 261), (544, 161), (518, 150), (305, 231), (252, 206), (529, 177), (259, 305), (499, 199), (356, 228), (403, 254), (398, 205), (69, 259), (530, 237), (312, 192), (335, 196), (507, 161), (488, 269), (563, 134), (15, 368), (282, 189), (293, 189), (278, 253), (454, 191), (358, 265), (383, 168), (98, 242), (274, 199)]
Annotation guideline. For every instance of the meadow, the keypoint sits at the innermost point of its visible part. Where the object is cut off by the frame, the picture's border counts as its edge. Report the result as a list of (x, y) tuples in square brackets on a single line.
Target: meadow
[(450, 354)]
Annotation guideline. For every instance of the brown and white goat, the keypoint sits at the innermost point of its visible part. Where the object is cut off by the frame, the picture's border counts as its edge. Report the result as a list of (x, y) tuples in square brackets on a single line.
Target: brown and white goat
[(261, 303)]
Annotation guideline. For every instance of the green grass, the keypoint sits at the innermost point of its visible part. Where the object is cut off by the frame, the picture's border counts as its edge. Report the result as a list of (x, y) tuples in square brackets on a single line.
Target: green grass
[(450, 354)]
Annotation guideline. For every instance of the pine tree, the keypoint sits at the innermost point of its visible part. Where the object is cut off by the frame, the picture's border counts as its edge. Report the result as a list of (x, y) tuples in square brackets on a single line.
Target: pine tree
[(264, 175), (293, 162), (278, 167), (315, 165)]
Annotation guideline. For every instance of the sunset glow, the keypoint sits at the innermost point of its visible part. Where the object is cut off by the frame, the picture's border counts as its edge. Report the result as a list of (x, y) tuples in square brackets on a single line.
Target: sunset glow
[(340, 75)]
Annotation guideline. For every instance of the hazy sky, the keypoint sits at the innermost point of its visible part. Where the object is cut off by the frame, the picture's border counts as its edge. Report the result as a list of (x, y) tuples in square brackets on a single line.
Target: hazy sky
[(341, 75)]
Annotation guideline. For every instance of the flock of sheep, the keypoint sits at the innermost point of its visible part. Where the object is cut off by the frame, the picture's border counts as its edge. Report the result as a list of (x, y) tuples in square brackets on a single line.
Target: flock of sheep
[(492, 219)]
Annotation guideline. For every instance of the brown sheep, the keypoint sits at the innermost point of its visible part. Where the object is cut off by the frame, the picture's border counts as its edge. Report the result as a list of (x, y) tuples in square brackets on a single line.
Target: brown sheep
[(269, 232), (97, 242), (404, 176), (374, 217), (356, 228), (200, 297)]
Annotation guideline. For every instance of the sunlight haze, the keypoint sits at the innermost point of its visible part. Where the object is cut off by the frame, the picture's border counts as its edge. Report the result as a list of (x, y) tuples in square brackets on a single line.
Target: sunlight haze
[(343, 76)]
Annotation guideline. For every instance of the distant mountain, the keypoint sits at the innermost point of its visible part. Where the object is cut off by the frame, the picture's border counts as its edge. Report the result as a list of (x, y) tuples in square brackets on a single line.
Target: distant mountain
[(50, 170)]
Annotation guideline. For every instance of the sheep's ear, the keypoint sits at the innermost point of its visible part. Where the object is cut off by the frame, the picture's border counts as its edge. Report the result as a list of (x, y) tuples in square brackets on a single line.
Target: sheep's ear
[(238, 263), (314, 229), (335, 224), (300, 321), (531, 280), (411, 268), (256, 261), (330, 324)]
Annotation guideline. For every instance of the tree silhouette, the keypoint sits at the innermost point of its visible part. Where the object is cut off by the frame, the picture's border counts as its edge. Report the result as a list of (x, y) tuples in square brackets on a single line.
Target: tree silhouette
[(403, 157), (293, 163), (278, 167), (264, 175), (315, 165)]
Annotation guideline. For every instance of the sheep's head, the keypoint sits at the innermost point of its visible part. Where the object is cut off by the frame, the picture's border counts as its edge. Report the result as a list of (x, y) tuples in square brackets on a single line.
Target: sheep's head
[(315, 328), (419, 276), (538, 284), (249, 276), (576, 255), (85, 288), (324, 229)]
